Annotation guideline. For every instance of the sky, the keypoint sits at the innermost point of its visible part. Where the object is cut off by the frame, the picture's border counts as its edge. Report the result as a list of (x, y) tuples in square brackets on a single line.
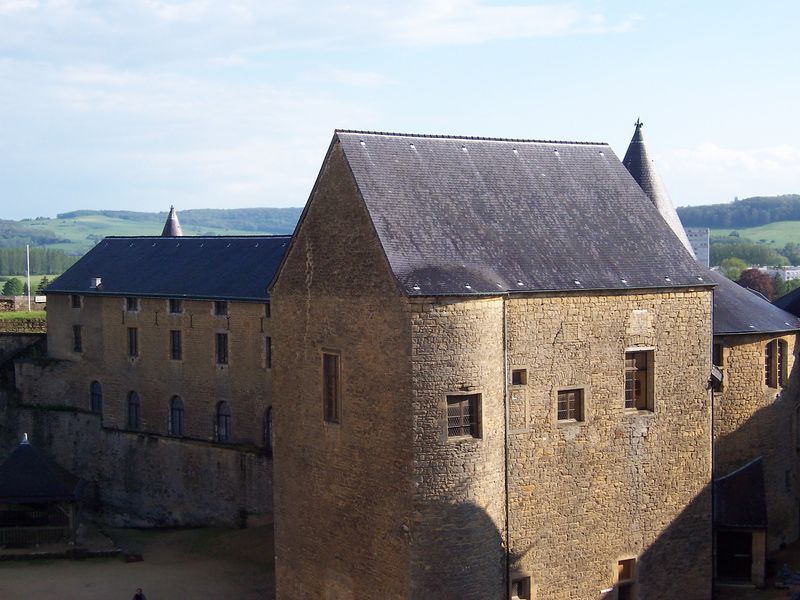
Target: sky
[(140, 104)]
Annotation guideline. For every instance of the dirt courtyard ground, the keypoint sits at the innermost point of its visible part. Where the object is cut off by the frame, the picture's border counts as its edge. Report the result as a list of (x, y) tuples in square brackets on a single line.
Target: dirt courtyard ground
[(217, 564)]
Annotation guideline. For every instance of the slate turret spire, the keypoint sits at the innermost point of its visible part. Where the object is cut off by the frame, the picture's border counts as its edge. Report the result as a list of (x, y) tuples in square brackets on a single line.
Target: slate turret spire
[(639, 164), (172, 228)]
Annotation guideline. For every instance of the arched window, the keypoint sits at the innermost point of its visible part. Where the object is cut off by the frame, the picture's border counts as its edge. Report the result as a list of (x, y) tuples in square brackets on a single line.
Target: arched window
[(176, 416), (222, 423), (96, 397), (133, 410), (268, 433)]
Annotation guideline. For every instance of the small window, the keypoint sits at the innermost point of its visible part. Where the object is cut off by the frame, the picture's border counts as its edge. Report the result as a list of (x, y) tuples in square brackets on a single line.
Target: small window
[(175, 346), (222, 348), (268, 351), (717, 355), (176, 416), (175, 306), (268, 433), (133, 410), (222, 423), (131, 304), (331, 387), (220, 308), (133, 341), (77, 338), (519, 377), (521, 588), (638, 380), (463, 416), (626, 578), (75, 300), (267, 310), (96, 397), (570, 405)]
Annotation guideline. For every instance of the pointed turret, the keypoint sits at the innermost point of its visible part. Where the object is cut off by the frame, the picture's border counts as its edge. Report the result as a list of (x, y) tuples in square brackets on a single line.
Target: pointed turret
[(639, 164), (172, 228)]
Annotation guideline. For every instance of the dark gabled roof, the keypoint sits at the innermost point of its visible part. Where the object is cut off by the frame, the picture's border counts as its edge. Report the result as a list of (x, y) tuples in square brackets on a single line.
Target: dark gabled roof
[(790, 302), (172, 228), (30, 477), (739, 498), (461, 216), (739, 310), (226, 268), (642, 167)]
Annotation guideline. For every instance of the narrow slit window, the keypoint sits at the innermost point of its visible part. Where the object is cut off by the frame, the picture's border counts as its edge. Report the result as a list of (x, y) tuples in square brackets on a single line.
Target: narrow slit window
[(77, 338), (133, 341), (175, 344), (222, 348), (331, 387)]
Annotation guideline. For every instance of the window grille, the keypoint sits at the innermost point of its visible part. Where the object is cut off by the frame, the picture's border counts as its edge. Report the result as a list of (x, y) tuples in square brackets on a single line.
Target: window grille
[(463, 417), (570, 405)]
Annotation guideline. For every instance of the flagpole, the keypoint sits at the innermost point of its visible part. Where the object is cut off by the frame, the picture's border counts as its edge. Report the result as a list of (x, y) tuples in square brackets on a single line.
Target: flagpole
[(28, 264)]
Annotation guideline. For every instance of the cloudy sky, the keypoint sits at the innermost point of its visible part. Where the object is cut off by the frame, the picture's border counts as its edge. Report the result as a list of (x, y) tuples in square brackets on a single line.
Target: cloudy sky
[(139, 104)]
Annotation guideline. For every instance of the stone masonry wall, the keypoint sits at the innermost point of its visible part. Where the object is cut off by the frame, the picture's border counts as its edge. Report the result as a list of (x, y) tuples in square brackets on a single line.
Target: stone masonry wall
[(620, 483), (343, 491), (752, 420)]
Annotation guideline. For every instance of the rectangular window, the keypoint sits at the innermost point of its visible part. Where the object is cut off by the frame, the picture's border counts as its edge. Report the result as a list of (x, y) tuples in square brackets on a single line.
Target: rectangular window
[(638, 380), (175, 348), (175, 306), (781, 363), (570, 405), (626, 578), (521, 588), (77, 338), (463, 416), (133, 341), (519, 377), (717, 356), (769, 371), (76, 301), (267, 310), (132, 304), (220, 308), (268, 350), (331, 390), (222, 348)]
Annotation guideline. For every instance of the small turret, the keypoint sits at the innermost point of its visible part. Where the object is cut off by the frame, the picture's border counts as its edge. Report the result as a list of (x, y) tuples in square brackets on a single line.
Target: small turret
[(172, 228), (641, 166)]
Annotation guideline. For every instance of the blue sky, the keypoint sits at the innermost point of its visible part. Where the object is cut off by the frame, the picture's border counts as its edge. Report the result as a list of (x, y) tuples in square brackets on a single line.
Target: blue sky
[(140, 104)]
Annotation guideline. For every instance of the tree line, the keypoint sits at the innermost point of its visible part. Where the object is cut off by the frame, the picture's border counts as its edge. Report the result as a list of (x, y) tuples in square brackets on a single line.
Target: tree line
[(43, 261), (748, 212)]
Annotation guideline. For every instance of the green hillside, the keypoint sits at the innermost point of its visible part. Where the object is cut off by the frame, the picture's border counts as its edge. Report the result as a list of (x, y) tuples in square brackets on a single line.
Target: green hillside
[(776, 234)]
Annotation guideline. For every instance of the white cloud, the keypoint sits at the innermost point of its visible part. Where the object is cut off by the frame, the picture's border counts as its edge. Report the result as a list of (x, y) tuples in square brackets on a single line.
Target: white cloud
[(12, 6)]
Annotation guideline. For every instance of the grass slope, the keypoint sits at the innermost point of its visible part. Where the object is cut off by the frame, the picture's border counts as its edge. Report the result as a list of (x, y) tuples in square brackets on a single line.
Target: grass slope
[(776, 234)]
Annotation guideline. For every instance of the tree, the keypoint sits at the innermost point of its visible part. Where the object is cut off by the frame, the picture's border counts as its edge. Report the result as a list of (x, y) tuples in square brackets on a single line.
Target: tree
[(757, 281), (13, 287), (42, 287), (732, 267), (784, 287)]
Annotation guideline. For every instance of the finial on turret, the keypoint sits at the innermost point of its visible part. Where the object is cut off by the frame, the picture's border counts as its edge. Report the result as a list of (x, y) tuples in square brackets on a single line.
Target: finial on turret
[(24, 438), (639, 123)]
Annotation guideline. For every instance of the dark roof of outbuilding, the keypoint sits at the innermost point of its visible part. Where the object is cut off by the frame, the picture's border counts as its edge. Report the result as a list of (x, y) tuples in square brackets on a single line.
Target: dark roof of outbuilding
[(225, 268), (739, 498), (790, 302), (461, 216), (739, 310), (30, 477)]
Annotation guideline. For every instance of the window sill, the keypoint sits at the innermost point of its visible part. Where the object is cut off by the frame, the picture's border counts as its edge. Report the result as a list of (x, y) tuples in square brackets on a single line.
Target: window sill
[(571, 422), (643, 412)]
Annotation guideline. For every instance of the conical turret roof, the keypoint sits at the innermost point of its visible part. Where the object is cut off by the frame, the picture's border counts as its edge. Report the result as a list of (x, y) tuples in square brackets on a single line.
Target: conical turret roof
[(172, 228), (640, 164)]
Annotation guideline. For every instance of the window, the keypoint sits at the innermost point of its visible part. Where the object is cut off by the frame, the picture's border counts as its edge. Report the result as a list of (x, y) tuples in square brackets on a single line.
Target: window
[(638, 380), (133, 341), (175, 349), (77, 338), (133, 410), (267, 310), (519, 377), (626, 578), (268, 350), (775, 363), (75, 300), (222, 348), (521, 588), (222, 423), (96, 397), (570, 405), (783, 351), (175, 306), (131, 304), (220, 308), (176, 416), (268, 431), (717, 356), (331, 387), (463, 418), (769, 372)]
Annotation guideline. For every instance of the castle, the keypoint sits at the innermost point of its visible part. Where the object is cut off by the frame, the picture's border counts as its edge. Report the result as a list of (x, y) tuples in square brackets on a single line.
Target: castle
[(493, 366)]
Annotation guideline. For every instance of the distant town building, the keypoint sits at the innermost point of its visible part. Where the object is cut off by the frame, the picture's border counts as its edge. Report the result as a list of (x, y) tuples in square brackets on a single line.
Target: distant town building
[(699, 239), (784, 273)]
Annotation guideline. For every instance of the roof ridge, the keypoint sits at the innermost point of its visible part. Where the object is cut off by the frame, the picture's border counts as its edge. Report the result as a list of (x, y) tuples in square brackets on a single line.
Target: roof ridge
[(467, 137), (200, 237)]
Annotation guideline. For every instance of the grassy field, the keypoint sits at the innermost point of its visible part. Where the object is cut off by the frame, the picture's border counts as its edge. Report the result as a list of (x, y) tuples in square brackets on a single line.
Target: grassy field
[(20, 315), (35, 279), (775, 234)]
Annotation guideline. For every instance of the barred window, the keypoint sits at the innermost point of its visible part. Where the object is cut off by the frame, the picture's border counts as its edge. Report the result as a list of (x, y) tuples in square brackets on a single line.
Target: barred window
[(133, 341), (570, 405), (175, 306), (133, 410), (331, 388), (76, 300), (638, 380), (221, 308), (222, 348), (132, 304), (77, 338), (175, 346), (96, 397), (463, 416), (176, 416)]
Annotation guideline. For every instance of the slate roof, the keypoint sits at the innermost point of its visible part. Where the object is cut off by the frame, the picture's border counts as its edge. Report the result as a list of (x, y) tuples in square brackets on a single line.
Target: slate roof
[(225, 268), (790, 302), (641, 166), (30, 477), (738, 310), (172, 228), (739, 499), (461, 216)]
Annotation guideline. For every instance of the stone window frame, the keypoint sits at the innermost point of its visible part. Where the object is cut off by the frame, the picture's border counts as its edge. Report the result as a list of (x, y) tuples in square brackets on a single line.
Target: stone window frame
[(630, 582), (222, 354), (175, 306), (133, 342), (776, 363), (220, 308), (585, 396), (177, 416), (331, 391), (76, 301), (521, 587), (650, 381), (477, 434), (175, 344), (77, 338), (522, 373), (132, 304)]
